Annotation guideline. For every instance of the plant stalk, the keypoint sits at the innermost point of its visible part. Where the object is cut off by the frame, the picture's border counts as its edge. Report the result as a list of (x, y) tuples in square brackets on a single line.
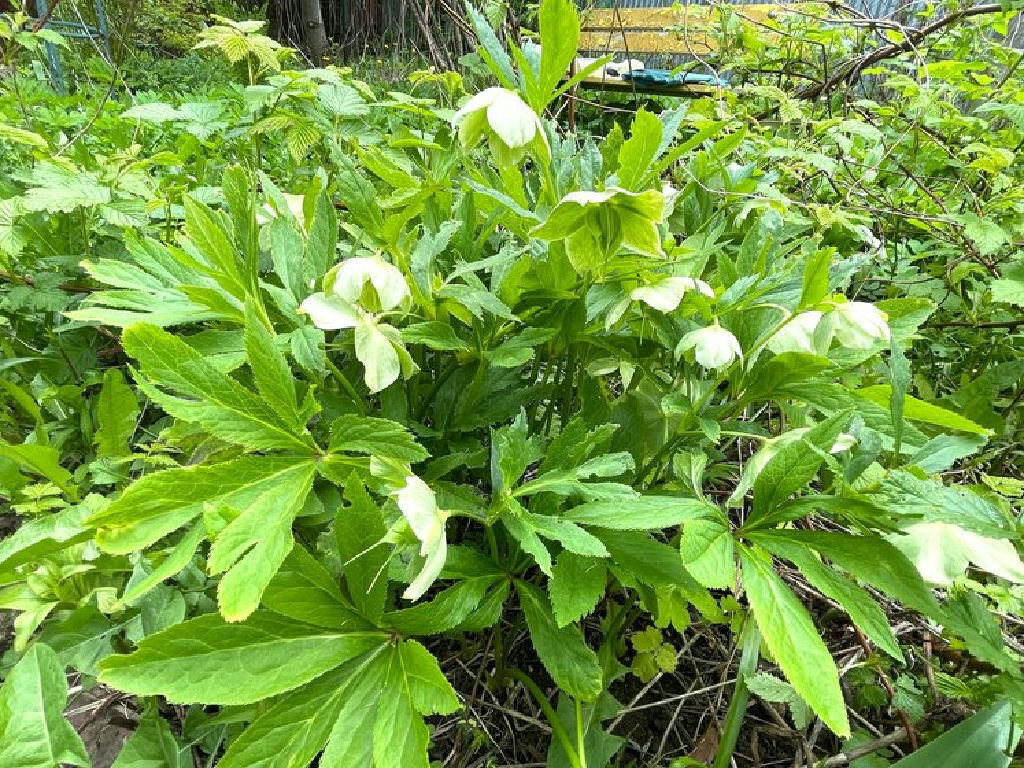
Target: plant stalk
[(750, 642)]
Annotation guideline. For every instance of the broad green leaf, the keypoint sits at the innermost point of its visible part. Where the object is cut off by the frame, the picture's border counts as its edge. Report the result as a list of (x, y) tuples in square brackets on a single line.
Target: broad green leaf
[(359, 531), (42, 460), (862, 608), (116, 414), (250, 549), (708, 552), (867, 558), (793, 640), (33, 731), (490, 48), (985, 740), (795, 465), (381, 723), (931, 501), (274, 379), (942, 552), (21, 136), (918, 410), (648, 560), (639, 150), (643, 513), (47, 534), (162, 502), (563, 651), (526, 536), (175, 561), (153, 745), (444, 612), (291, 732), (207, 396), (82, 639), (1009, 289), (304, 590), (559, 37), (576, 585), (206, 231), (210, 661), (375, 437)]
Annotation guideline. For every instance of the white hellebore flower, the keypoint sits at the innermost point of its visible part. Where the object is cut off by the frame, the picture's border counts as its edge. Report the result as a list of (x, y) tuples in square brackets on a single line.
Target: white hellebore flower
[(858, 325), (797, 335), (419, 508), (508, 123), (665, 294), (713, 346), (355, 293)]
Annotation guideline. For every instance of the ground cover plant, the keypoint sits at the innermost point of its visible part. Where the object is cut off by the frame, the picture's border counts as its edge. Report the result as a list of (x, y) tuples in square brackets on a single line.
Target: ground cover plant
[(352, 426)]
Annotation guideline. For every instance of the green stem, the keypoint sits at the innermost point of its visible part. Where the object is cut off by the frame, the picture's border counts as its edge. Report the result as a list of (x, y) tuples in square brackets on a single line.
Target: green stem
[(346, 385), (581, 733), (750, 641), (556, 724)]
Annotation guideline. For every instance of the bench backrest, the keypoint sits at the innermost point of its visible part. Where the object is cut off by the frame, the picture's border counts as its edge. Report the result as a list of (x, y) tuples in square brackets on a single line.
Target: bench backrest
[(676, 31)]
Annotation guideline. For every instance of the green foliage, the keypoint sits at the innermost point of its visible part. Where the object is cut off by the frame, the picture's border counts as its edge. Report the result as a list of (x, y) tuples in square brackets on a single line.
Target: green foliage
[(307, 380)]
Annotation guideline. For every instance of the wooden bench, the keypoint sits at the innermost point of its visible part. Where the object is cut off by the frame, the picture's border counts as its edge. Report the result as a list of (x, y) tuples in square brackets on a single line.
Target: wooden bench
[(674, 33)]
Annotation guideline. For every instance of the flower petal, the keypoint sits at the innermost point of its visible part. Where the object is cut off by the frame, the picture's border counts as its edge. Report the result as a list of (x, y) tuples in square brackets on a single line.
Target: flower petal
[(329, 313)]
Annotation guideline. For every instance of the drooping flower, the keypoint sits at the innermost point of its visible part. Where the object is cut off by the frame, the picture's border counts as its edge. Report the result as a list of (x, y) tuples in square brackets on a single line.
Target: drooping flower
[(713, 346), (666, 293), (858, 325), (797, 335), (505, 120), (419, 508), (356, 292), (595, 224)]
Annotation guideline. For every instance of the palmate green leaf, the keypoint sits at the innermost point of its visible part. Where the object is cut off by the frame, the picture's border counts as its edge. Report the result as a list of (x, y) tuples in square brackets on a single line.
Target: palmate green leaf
[(116, 413), (708, 552), (559, 38), (162, 502), (639, 150), (793, 640), (861, 607), (274, 378), (33, 731), (210, 661), (208, 396), (148, 288), (572, 665), (795, 465), (642, 513), (153, 745), (375, 437), (295, 728), (380, 724), (171, 565), (304, 590), (250, 549)]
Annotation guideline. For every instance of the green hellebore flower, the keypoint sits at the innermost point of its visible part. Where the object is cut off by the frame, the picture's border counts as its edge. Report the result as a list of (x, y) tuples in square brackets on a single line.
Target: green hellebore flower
[(510, 126), (595, 225)]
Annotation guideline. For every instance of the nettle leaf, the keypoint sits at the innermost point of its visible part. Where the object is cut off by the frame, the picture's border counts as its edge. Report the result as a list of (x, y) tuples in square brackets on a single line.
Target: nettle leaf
[(207, 395), (576, 586), (210, 661), (793, 639), (572, 665), (33, 731)]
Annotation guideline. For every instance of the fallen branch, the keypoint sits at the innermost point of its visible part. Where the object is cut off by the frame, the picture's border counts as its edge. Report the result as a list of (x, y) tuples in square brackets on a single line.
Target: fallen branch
[(852, 70), (845, 758)]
